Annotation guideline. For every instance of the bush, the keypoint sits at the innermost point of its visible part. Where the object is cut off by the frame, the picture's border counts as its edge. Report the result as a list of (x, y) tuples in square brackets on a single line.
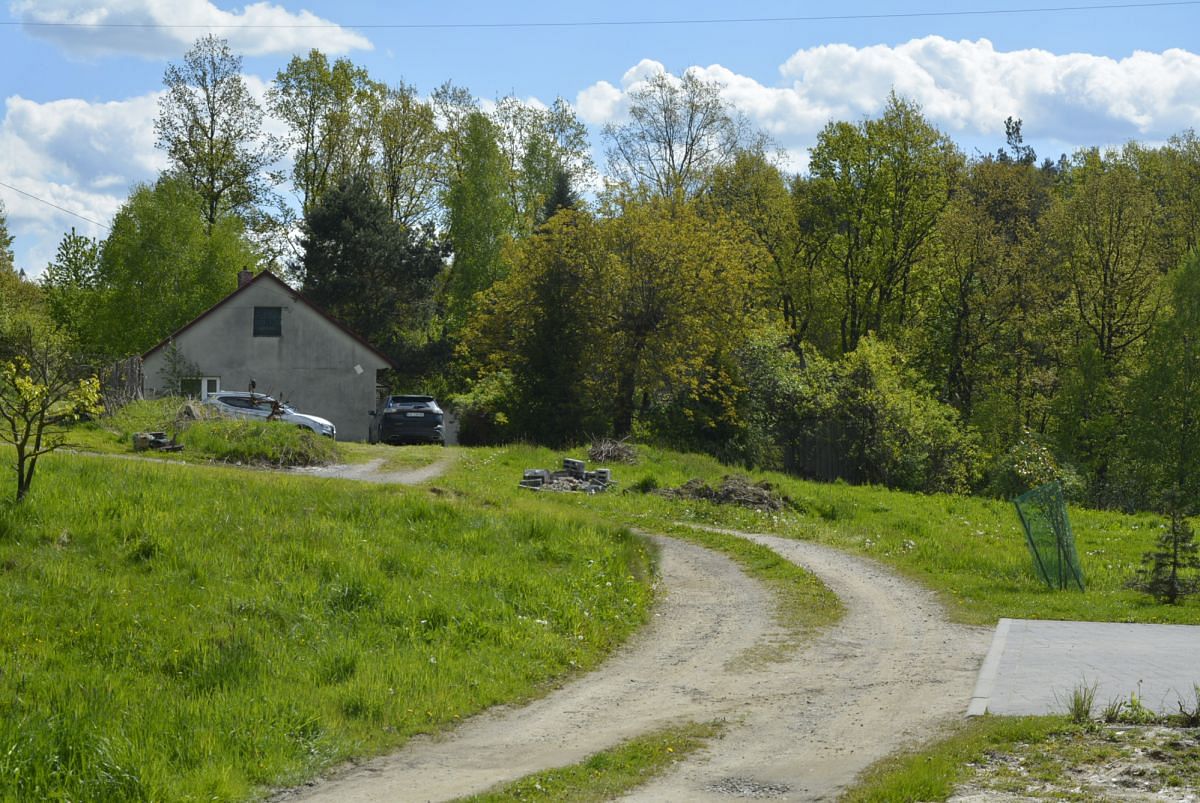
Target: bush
[(481, 412), (744, 410), (271, 443), (1027, 464), (870, 418)]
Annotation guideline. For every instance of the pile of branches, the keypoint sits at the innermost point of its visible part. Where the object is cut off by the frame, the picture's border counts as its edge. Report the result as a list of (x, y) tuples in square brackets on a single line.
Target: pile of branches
[(735, 489), (608, 450)]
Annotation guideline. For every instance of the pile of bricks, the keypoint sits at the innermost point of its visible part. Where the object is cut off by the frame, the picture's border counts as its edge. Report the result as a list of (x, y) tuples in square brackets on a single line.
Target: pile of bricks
[(573, 476)]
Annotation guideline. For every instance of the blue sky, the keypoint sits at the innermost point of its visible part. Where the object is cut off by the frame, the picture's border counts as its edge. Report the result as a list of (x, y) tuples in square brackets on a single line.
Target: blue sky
[(79, 102)]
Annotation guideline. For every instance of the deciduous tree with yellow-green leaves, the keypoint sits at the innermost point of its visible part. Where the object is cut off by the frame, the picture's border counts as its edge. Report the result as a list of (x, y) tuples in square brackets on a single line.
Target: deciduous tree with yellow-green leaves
[(41, 392)]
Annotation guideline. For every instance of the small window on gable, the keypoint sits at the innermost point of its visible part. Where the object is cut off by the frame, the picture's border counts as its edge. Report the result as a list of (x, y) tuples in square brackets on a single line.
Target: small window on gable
[(268, 321)]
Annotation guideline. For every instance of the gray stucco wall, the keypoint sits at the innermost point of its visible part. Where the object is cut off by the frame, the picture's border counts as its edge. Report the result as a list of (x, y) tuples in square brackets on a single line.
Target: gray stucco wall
[(313, 364)]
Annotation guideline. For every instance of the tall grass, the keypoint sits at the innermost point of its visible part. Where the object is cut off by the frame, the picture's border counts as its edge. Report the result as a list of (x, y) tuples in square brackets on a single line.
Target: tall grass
[(211, 437), (972, 551), (177, 633), (270, 443)]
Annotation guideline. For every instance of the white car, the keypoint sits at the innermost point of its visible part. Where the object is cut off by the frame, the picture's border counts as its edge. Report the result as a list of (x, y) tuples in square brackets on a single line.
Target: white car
[(240, 404)]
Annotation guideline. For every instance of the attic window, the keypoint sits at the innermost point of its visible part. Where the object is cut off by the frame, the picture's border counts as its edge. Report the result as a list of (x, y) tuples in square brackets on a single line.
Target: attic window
[(268, 321)]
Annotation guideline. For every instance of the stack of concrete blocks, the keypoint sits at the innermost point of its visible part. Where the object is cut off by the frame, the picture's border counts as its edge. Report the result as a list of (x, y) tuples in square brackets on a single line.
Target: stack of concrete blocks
[(573, 476)]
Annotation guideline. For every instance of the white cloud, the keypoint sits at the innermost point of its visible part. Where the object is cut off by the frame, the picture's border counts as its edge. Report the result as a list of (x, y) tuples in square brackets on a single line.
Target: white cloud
[(257, 29), (966, 88), (598, 103), (80, 156)]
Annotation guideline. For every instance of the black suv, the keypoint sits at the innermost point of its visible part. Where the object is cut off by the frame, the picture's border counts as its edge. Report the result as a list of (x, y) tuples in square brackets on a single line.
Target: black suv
[(410, 419)]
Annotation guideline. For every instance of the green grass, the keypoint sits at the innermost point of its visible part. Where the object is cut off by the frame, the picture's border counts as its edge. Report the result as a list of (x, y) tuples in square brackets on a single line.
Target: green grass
[(213, 439), (395, 458), (1048, 758), (267, 443), (175, 633), (610, 773), (933, 772), (971, 551)]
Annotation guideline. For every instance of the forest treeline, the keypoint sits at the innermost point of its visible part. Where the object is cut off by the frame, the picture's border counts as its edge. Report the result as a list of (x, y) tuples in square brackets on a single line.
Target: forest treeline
[(899, 313)]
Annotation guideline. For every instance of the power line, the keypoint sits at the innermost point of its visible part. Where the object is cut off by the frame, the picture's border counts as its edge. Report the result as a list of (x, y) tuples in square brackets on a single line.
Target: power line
[(615, 23), (56, 206)]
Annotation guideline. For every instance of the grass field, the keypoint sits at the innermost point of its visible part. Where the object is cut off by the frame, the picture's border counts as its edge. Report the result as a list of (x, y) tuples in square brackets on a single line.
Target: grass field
[(185, 632), (971, 551), (181, 632)]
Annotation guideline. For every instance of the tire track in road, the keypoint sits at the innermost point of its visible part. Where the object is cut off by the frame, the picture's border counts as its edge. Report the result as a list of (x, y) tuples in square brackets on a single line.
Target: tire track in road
[(892, 672)]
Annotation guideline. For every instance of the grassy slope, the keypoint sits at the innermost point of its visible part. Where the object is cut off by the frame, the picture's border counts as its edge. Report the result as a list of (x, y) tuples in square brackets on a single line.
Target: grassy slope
[(972, 551), (215, 605), (187, 632)]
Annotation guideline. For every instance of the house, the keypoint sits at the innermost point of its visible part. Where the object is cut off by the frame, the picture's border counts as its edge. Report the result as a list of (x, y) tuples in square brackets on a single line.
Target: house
[(268, 334)]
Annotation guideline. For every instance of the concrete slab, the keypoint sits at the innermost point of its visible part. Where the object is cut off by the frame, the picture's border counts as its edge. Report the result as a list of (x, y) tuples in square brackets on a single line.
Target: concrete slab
[(1033, 665)]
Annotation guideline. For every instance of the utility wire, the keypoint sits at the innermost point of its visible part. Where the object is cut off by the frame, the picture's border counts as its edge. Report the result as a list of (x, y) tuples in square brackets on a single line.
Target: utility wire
[(618, 23), (56, 206)]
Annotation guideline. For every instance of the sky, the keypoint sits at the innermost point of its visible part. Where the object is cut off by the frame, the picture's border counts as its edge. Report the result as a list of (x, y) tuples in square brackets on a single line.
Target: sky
[(79, 99)]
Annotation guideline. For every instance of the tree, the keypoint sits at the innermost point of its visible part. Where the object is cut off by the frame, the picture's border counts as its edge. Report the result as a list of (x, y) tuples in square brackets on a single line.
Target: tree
[(674, 290), (7, 265), (161, 266), (538, 144), (407, 154), (755, 193), (622, 310), (479, 217), (18, 295), (1164, 441), (536, 327), (211, 128), (324, 107), (1105, 221), (71, 284), (679, 130), (1171, 571), (562, 196), (365, 268), (880, 189), (41, 391), (992, 326)]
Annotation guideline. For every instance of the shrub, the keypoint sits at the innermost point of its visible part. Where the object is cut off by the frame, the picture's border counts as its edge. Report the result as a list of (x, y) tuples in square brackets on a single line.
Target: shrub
[(1027, 464), (482, 416), (870, 418), (742, 412)]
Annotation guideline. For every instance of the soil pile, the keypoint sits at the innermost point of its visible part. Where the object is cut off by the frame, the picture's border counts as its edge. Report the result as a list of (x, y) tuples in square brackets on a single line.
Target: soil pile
[(735, 489)]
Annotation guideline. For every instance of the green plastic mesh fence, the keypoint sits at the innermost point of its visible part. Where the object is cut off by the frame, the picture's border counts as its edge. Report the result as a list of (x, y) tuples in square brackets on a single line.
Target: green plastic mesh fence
[(1048, 533)]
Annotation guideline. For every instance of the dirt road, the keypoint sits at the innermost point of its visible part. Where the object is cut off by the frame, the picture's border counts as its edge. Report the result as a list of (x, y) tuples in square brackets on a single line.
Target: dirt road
[(370, 471), (891, 672)]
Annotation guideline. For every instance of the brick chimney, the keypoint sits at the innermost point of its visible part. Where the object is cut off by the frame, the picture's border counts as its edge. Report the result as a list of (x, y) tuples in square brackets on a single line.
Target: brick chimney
[(244, 278)]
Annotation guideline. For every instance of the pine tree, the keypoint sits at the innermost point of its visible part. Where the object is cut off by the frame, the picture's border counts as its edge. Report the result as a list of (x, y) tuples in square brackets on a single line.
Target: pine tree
[(1171, 570)]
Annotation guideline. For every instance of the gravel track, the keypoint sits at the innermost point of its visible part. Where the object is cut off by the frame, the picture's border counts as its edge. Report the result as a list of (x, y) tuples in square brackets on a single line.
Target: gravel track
[(370, 471), (891, 673)]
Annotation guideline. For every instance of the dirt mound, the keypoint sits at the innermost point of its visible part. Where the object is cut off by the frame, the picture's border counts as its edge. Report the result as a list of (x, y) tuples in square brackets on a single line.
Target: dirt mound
[(735, 489)]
